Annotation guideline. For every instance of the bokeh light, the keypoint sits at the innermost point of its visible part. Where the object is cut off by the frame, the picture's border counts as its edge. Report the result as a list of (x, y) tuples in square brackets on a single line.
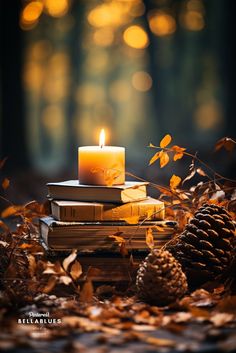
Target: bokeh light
[(103, 37), (88, 94), (56, 8), (137, 8), (161, 23), (193, 21), (30, 14), (208, 115), (136, 37), (141, 81), (120, 91), (108, 14), (52, 118)]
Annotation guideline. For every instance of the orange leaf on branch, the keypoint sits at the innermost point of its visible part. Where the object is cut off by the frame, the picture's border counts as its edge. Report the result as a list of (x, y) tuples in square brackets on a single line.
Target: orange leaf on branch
[(10, 211), (155, 157), (175, 180), (179, 152), (165, 141), (164, 159)]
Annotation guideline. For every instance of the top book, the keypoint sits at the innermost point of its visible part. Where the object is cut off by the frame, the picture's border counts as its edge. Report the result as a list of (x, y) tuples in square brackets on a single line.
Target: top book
[(72, 190)]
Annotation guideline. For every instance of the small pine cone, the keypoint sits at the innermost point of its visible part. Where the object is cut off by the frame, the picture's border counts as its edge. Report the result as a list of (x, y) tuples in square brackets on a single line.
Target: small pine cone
[(160, 279), (205, 248)]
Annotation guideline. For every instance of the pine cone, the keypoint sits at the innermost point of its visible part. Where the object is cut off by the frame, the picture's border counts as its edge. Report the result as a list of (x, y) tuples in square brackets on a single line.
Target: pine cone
[(160, 279), (205, 248)]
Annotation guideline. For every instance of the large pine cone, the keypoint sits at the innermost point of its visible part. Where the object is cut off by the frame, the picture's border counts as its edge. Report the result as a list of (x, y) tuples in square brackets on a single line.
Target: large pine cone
[(160, 279), (205, 248)]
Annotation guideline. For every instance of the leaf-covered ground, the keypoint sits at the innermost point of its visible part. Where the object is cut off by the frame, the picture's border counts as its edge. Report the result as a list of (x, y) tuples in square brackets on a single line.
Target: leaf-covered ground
[(83, 316), (202, 321)]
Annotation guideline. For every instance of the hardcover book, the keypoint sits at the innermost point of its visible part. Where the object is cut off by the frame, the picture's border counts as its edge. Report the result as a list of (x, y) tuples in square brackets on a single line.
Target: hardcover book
[(73, 191), (102, 235), (91, 211)]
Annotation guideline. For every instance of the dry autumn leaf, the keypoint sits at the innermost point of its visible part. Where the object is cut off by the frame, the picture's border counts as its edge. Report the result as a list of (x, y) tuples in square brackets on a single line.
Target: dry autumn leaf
[(86, 294), (32, 264), (155, 157), (226, 142), (68, 260), (10, 211), (5, 183), (65, 280), (179, 152), (164, 159), (201, 172), (50, 284), (175, 180), (165, 141), (76, 270), (4, 226), (149, 238)]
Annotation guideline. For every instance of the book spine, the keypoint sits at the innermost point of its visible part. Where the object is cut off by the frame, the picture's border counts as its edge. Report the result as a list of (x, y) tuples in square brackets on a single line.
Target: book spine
[(108, 212)]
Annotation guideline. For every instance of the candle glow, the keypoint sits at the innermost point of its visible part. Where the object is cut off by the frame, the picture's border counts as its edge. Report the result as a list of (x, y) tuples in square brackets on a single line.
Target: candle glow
[(102, 138), (101, 165)]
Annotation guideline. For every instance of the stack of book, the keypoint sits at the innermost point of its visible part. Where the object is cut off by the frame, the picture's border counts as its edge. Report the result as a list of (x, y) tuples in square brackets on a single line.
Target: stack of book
[(103, 218)]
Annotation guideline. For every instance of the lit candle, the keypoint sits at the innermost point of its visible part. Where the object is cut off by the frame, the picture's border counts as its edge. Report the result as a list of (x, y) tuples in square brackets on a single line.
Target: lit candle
[(101, 165)]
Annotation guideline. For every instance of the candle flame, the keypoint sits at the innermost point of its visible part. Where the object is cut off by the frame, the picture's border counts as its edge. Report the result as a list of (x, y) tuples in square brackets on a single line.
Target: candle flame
[(102, 138)]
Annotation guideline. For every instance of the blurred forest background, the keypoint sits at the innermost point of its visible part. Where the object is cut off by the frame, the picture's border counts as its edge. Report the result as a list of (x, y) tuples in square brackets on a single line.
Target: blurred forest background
[(138, 68)]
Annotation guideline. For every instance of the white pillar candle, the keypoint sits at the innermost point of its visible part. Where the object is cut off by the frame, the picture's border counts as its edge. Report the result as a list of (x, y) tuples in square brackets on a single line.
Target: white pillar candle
[(101, 165)]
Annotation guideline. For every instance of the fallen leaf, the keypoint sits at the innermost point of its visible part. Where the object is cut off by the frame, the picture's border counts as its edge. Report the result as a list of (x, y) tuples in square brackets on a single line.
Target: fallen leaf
[(93, 272), (3, 243), (65, 280), (159, 342), (68, 260), (86, 294), (32, 264), (50, 284), (76, 270), (5, 183), (220, 319), (175, 180), (165, 141)]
